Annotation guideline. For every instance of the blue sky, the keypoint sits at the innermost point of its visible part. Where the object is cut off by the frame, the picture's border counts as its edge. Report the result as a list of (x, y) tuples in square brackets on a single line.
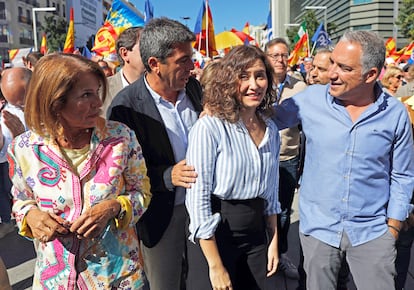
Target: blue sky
[(227, 14)]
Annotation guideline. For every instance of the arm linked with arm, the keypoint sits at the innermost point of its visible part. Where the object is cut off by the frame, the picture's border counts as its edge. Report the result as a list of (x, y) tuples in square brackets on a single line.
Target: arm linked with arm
[(286, 114)]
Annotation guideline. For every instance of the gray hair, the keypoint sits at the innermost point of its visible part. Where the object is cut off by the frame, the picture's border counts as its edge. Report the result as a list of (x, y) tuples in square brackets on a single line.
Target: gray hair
[(373, 48), (274, 41), (324, 49), (160, 36)]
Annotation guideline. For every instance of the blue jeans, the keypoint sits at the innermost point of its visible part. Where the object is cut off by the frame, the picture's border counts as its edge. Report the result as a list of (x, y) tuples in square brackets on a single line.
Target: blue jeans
[(288, 180), (5, 195)]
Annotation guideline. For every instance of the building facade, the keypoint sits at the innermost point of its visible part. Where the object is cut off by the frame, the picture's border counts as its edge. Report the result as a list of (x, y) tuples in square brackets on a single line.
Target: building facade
[(376, 15)]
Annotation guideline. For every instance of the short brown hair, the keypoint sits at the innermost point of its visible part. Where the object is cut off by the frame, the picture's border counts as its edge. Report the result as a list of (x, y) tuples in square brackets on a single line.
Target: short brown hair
[(221, 92), (53, 77)]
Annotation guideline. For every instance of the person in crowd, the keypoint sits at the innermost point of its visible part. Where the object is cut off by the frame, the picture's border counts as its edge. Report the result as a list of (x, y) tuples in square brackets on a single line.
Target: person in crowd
[(104, 66), (31, 59), (132, 67), (13, 85), (208, 73), (392, 79), (306, 68), (407, 90), (403, 246), (79, 183), (319, 73), (356, 184), (161, 107), (234, 199), (277, 51)]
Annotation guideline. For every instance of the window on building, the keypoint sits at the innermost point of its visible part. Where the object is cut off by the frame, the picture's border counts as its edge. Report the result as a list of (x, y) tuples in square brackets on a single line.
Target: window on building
[(64, 10), (47, 3), (357, 2), (4, 33), (28, 19), (20, 11), (363, 27), (2, 11), (58, 8)]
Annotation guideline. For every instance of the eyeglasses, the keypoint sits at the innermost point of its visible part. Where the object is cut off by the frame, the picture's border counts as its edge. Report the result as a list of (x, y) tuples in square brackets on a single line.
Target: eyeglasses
[(276, 56), (400, 77)]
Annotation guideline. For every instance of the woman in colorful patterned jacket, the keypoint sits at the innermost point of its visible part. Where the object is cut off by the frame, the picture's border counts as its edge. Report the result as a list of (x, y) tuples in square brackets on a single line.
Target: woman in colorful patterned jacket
[(79, 183)]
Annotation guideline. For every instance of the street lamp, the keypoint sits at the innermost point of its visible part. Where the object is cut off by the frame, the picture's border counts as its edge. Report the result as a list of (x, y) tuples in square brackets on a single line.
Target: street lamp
[(34, 10), (325, 8)]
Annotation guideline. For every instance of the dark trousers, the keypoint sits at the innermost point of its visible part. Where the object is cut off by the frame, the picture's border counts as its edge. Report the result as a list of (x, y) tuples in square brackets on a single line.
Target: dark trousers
[(5, 196), (402, 261), (288, 179), (242, 244)]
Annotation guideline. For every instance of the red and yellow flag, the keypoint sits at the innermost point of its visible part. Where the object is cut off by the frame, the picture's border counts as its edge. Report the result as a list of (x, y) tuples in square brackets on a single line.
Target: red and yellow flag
[(120, 17), (300, 50), (43, 45), (390, 47), (204, 30), (246, 28), (408, 50), (69, 46)]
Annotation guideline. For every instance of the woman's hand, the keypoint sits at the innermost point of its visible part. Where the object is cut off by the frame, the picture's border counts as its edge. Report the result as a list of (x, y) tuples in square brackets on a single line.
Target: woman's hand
[(94, 220), (46, 226), (272, 251), (219, 278), (272, 258)]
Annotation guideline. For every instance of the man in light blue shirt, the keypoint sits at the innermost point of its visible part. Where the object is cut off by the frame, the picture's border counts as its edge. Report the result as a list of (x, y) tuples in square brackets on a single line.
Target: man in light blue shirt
[(358, 175)]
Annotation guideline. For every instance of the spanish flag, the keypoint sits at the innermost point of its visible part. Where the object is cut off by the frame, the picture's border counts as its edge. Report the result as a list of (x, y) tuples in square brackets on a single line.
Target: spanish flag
[(69, 46), (390, 46), (43, 45), (204, 30), (120, 17), (300, 50)]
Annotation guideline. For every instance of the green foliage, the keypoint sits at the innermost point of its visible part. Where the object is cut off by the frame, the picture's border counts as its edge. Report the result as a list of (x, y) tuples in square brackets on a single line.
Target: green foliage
[(55, 29), (406, 19)]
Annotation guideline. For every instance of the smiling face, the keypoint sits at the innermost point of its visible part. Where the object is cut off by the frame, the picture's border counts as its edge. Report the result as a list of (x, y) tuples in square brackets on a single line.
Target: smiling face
[(253, 85), (82, 108), (347, 82)]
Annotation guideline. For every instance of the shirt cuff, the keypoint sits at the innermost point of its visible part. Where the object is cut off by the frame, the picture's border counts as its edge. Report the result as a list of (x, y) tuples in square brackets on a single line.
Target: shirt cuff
[(167, 179), (205, 230)]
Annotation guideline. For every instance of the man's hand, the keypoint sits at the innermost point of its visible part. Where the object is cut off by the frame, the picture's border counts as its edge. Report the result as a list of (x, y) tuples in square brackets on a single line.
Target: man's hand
[(183, 175), (13, 122)]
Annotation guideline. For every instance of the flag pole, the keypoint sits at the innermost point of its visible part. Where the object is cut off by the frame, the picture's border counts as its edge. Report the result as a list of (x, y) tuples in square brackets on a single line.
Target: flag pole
[(207, 29)]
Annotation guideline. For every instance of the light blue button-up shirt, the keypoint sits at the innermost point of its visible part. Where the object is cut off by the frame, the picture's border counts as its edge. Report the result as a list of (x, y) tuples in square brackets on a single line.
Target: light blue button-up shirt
[(178, 119), (356, 174)]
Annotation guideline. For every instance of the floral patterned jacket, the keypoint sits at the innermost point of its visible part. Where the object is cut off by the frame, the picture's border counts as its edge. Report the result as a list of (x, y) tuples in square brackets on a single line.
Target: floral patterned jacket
[(43, 178)]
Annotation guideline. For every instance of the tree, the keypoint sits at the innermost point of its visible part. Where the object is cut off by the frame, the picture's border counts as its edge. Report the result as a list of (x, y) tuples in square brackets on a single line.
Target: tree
[(312, 24), (406, 19), (55, 29)]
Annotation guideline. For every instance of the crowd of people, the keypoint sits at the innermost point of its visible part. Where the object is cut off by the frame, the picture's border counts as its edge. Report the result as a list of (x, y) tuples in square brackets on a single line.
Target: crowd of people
[(148, 178)]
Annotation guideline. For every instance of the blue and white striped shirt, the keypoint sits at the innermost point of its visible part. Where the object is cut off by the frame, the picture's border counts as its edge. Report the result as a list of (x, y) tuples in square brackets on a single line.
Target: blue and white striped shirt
[(230, 166)]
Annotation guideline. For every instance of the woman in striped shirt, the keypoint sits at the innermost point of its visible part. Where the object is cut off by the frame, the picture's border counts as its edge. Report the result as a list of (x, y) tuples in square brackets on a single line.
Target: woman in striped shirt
[(235, 151)]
